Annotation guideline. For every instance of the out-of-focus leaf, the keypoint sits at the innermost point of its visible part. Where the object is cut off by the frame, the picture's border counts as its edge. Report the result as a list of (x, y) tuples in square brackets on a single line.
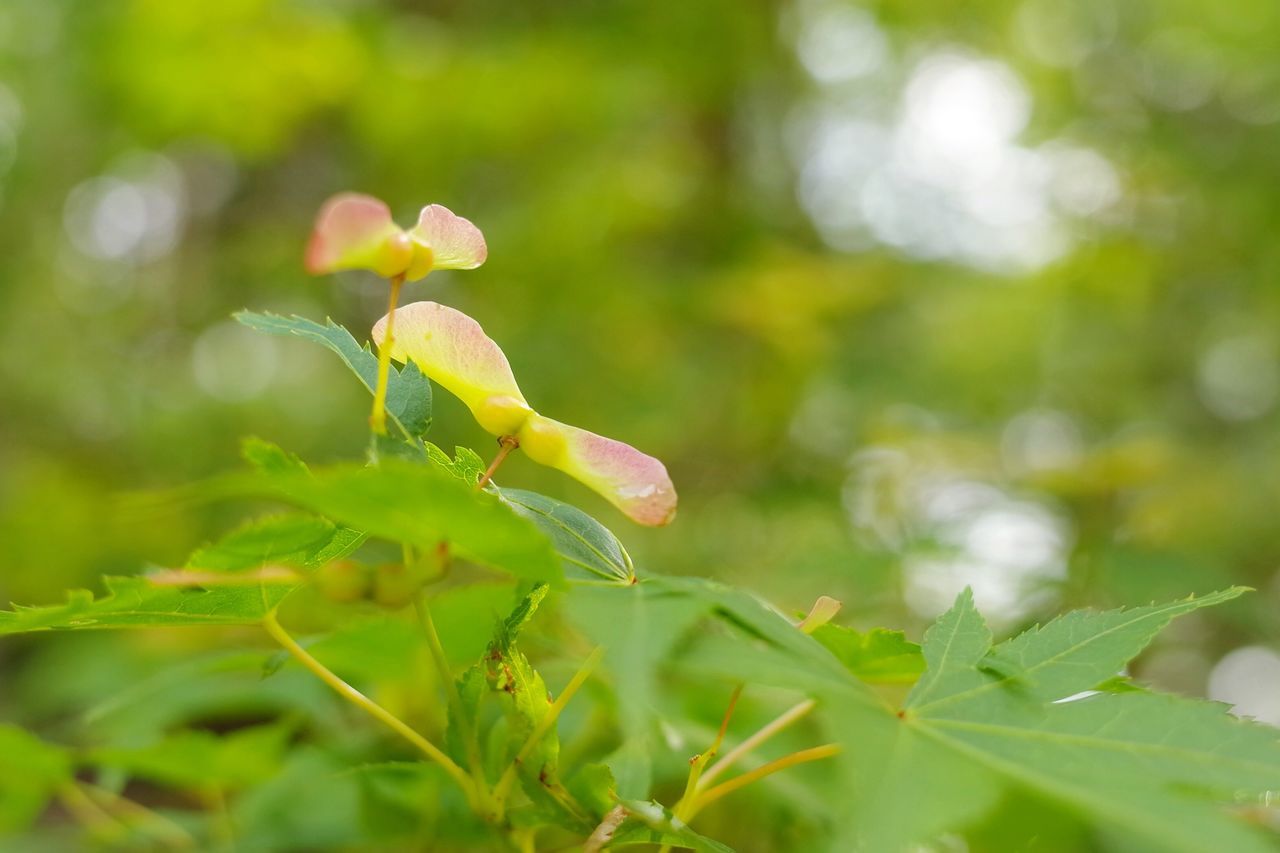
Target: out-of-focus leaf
[(31, 771), (586, 547), (403, 800), (312, 803), (269, 457), (593, 786), (465, 616), (370, 648), (301, 541), (641, 626), (414, 504), (198, 760), (877, 656), (408, 391), (136, 602)]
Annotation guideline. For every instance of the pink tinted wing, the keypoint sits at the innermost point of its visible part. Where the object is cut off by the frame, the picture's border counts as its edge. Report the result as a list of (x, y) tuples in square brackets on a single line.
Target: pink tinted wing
[(455, 243), (453, 351), (349, 226), (634, 482)]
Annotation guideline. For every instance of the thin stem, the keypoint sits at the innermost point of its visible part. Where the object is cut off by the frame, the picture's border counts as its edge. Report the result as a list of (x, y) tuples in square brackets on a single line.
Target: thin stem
[(378, 419), (224, 829), (355, 697), (507, 444), (126, 810), (770, 729), (699, 762), (710, 795), (91, 814), (456, 710), (724, 721), (547, 723)]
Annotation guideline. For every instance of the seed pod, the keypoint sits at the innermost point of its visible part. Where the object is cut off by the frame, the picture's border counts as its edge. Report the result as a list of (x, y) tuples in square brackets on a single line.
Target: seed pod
[(343, 581)]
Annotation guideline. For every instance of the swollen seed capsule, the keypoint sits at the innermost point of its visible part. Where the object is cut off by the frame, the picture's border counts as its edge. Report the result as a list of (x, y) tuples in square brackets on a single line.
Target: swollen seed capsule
[(343, 581), (542, 440), (395, 585), (502, 415)]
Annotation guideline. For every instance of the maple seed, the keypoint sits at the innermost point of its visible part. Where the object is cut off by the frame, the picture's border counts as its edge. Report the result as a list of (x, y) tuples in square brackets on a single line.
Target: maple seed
[(356, 232), (453, 351)]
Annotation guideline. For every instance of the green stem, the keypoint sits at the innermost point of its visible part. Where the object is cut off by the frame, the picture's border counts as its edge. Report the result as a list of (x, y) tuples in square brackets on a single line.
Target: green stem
[(364, 703), (456, 711), (130, 813), (710, 795), (545, 725), (700, 762), (770, 729), (97, 820), (378, 419)]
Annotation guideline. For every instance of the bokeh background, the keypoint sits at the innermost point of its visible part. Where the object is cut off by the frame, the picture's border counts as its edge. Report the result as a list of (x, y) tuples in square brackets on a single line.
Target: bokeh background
[(908, 295)]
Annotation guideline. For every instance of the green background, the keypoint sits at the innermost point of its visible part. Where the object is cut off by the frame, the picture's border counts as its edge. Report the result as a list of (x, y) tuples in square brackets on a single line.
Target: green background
[(907, 295)]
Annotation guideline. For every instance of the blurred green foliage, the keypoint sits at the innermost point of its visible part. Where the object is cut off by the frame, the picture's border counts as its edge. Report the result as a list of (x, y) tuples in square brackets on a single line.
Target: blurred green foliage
[(906, 295)]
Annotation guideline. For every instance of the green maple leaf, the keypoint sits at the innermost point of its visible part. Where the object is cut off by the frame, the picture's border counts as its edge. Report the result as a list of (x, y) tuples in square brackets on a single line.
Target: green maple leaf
[(980, 724), (304, 541), (983, 720), (408, 391), (137, 602), (31, 772)]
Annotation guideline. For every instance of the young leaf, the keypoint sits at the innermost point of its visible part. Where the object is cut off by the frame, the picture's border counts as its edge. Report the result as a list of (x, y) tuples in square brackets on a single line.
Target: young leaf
[(587, 548), (505, 674), (408, 391), (136, 602), (879, 656), (465, 464), (301, 541)]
